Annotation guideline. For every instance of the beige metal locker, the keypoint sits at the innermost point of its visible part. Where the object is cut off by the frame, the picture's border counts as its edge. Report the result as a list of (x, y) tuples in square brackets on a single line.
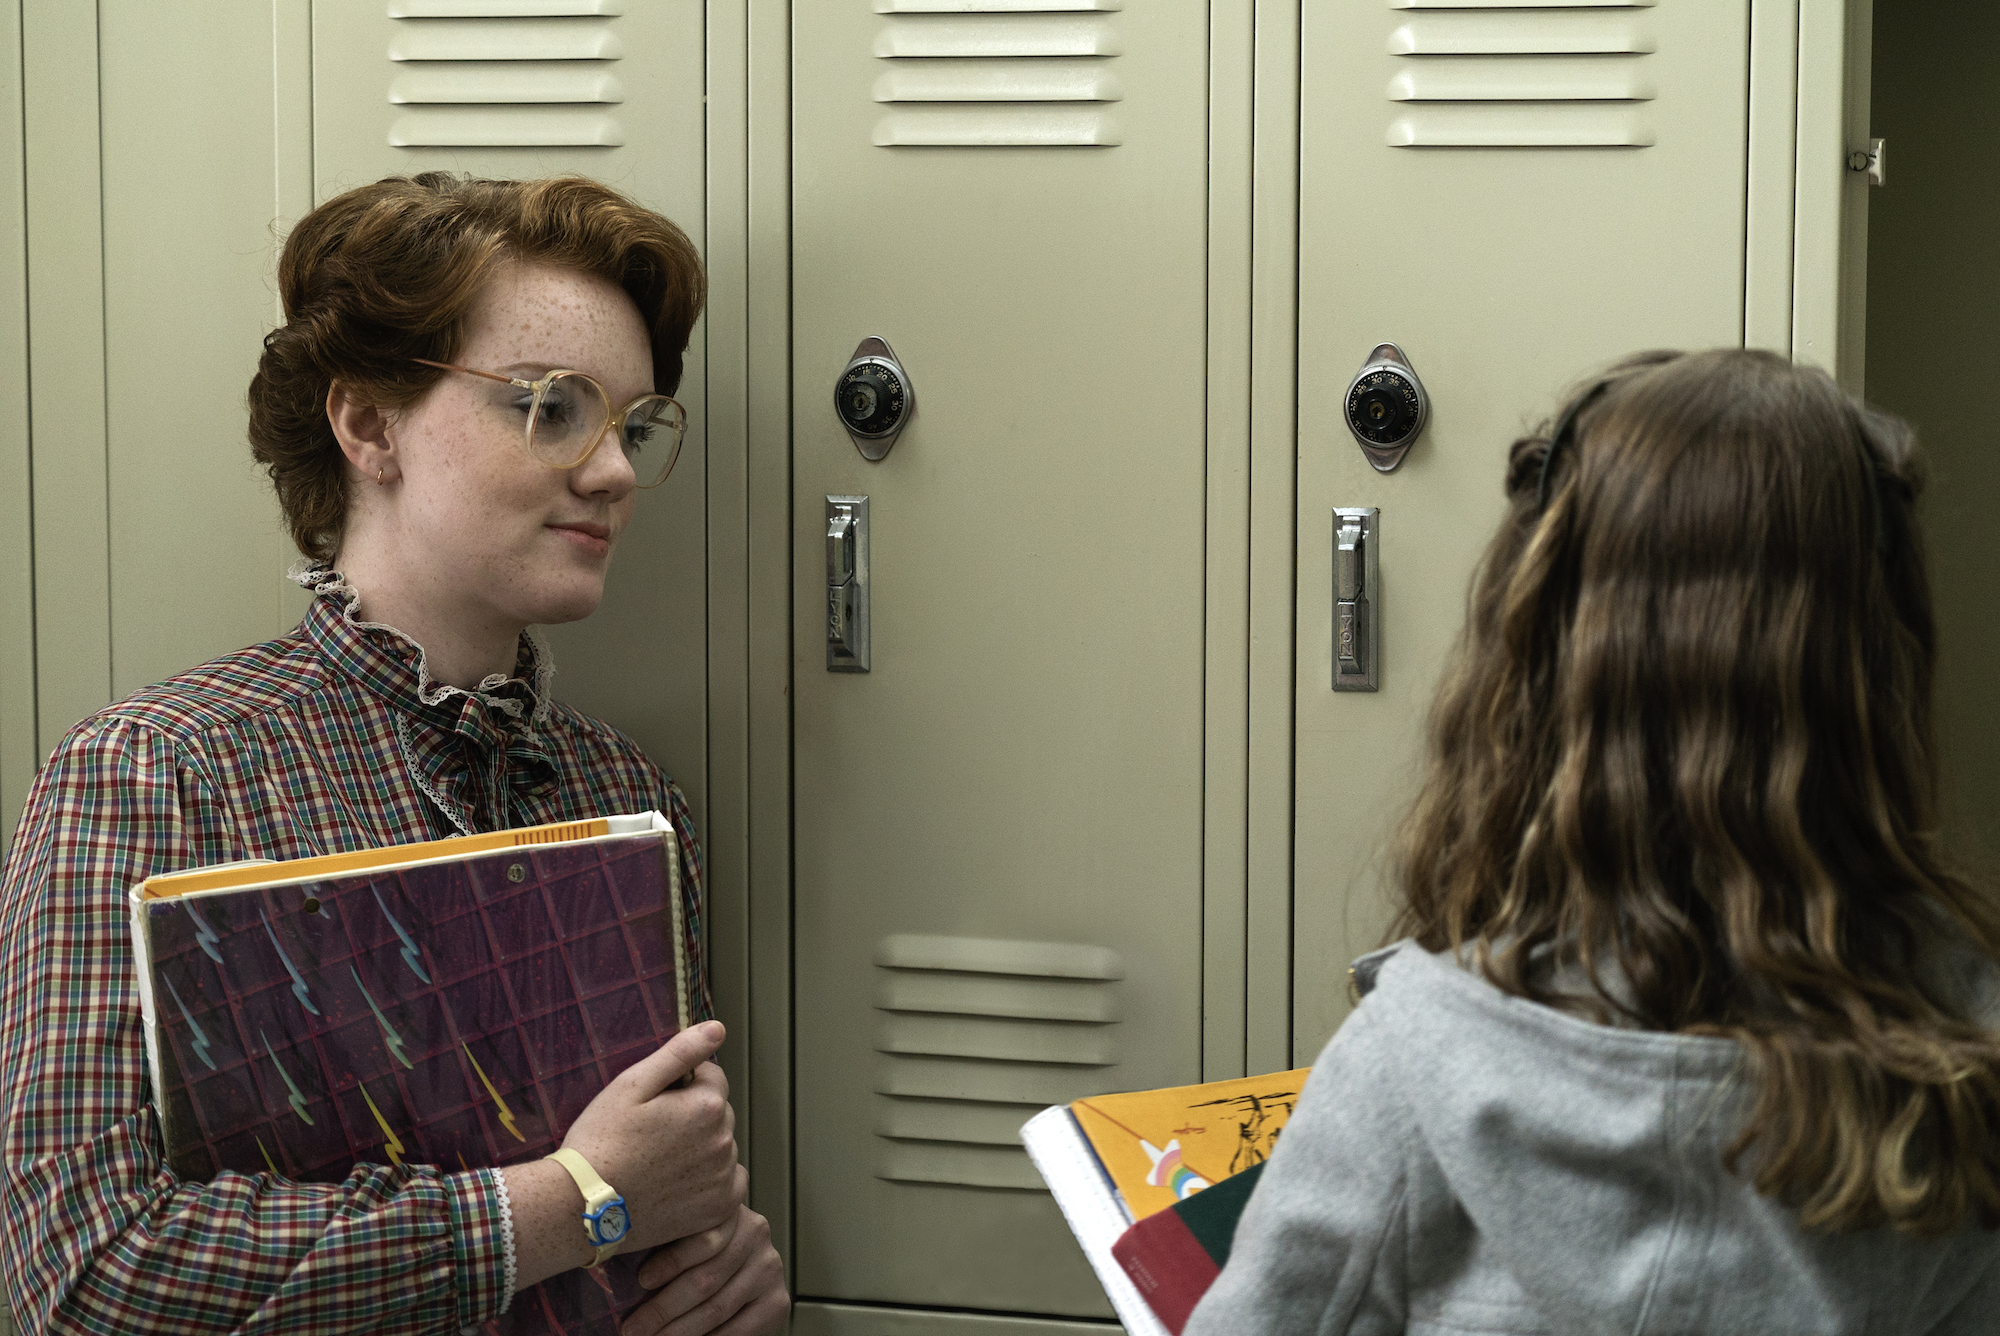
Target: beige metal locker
[(998, 829), (151, 183), (611, 90), (1094, 819), (1518, 196), (18, 752), (165, 150), (168, 150)]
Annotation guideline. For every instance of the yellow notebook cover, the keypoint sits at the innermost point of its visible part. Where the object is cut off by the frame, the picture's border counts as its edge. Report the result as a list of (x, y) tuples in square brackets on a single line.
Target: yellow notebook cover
[(230, 876), (1160, 1146)]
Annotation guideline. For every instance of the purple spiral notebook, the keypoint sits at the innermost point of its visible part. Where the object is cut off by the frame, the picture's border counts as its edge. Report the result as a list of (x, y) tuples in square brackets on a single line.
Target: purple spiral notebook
[(457, 1012)]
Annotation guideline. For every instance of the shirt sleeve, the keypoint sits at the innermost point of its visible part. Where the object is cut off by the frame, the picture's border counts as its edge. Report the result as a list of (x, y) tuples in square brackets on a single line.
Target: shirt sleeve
[(1320, 1246), (100, 1235)]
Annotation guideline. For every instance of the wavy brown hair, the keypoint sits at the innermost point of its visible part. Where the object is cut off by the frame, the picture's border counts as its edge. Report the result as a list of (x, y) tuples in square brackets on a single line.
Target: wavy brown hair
[(388, 272), (1686, 746)]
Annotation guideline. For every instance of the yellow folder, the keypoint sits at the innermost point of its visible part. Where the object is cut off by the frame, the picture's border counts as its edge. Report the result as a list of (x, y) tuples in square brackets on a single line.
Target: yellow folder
[(1159, 1146)]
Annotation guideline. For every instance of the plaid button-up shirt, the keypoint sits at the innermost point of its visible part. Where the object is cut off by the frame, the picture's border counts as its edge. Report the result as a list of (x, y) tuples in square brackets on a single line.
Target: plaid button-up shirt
[(329, 739)]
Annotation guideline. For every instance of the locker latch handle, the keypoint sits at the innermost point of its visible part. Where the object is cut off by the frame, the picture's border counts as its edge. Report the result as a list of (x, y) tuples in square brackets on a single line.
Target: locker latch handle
[(840, 546), (847, 649), (1350, 572), (1350, 565), (1357, 599)]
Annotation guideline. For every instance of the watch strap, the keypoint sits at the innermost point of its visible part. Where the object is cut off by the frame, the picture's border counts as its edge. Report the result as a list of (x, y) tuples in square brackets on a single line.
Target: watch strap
[(597, 1194)]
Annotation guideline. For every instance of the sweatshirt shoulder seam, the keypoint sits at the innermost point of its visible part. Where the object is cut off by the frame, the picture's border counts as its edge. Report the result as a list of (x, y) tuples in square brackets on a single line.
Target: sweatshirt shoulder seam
[(1461, 988), (1669, 1122)]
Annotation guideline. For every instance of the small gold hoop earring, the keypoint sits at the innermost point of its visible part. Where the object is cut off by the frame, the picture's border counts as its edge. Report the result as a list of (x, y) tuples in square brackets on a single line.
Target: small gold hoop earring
[(378, 475)]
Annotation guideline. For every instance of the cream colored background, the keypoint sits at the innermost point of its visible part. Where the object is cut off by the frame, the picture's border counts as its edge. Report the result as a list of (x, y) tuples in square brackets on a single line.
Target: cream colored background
[(1102, 548)]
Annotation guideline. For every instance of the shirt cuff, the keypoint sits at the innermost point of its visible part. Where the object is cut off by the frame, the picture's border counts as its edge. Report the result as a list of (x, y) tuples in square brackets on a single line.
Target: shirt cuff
[(482, 1245)]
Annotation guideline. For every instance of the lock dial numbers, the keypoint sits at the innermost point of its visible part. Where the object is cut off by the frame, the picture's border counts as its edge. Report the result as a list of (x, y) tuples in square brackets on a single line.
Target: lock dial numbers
[(1383, 408), (871, 398), (1386, 407)]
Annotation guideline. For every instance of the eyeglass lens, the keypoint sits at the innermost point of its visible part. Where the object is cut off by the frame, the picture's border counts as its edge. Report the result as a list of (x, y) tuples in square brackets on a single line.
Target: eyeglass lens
[(570, 416)]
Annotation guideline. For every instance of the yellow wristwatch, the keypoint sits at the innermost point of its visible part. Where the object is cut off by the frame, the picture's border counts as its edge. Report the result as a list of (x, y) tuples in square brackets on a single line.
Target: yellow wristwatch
[(605, 1220)]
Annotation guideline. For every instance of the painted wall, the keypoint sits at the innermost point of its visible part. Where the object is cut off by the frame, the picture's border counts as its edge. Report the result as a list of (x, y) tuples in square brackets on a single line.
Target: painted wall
[(1934, 356)]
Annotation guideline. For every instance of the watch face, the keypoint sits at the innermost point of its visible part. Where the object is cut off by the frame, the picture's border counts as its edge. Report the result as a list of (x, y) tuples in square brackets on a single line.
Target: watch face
[(612, 1223)]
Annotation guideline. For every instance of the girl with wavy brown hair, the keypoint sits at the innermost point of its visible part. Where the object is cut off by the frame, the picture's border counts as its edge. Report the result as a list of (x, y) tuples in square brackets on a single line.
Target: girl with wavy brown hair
[(1691, 1027), (470, 390)]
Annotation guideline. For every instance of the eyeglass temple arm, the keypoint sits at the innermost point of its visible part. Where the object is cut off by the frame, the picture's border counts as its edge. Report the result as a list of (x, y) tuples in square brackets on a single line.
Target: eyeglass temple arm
[(487, 375)]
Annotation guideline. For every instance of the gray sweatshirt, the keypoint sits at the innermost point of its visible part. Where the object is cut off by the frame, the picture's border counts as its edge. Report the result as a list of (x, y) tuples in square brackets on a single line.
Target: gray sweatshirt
[(1464, 1161)]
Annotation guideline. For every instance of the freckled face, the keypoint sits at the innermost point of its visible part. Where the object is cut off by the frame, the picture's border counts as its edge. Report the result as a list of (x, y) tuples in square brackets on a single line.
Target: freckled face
[(520, 541)]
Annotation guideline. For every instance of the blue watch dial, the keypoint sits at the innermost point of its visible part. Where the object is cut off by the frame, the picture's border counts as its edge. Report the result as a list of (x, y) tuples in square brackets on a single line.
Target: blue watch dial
[(609, 1223)]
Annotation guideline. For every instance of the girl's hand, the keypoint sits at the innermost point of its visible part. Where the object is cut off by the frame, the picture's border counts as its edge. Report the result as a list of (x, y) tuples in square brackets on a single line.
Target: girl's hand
[(727, 1280), (668, 1150)]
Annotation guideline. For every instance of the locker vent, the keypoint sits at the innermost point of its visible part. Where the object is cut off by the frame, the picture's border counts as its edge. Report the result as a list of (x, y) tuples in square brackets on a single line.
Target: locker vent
[(997, 73), (505, 73), (975, 1036), (1475, 74)]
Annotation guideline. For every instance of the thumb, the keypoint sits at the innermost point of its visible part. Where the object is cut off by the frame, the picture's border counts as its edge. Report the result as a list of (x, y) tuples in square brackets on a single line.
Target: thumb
[(673, 1060)]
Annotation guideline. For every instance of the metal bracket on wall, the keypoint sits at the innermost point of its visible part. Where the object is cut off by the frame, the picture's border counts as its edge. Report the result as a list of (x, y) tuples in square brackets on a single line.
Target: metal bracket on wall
[(1873, 160), (847, 584), (1357, 599)]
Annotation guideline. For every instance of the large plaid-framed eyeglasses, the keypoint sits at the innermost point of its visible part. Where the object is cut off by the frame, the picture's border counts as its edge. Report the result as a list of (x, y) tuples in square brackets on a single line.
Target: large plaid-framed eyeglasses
[(568, 412)]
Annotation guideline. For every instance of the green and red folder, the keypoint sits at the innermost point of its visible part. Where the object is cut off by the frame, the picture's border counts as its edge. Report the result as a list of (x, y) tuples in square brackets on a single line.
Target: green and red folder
[(1174, 1255)]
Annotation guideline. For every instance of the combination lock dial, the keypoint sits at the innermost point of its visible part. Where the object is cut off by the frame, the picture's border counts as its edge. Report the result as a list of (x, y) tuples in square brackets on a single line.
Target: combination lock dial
[(1386, 407), (873, 398)]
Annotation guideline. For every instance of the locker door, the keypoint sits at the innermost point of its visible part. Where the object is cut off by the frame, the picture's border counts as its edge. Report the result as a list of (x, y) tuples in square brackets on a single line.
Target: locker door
[(526, 88), (998, 844), (147, 162), (1517, 197)]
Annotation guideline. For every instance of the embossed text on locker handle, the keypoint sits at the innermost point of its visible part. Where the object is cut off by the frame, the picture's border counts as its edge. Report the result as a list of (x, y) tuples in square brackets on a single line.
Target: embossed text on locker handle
[(847, 584), (1356, 599), (1350, 568)]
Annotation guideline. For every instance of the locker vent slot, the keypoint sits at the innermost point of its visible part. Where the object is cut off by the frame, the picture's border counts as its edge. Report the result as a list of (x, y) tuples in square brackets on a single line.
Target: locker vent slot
[(998, 81), (506, 74), (1517, 4), (975, 1036), (997, 73), (1478, 75), (1525, 79), (997, 6), (503, 9)]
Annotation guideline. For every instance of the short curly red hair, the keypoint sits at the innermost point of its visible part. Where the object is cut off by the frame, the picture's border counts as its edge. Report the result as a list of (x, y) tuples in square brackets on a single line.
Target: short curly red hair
[(388, 272)]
